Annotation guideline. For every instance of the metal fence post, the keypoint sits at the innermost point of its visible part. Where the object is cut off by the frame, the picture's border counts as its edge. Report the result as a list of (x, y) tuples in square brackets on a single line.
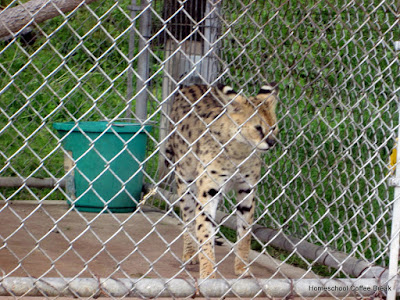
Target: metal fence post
[(394, 243), (143, 62), (211, 32), (395, 230), (129, 89)]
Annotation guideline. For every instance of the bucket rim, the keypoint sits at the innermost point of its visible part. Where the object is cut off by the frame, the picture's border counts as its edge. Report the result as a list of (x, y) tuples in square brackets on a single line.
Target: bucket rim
[(101, 126)]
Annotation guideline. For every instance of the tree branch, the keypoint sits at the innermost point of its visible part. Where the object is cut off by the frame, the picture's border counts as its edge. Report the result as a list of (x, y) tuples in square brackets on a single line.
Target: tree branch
[(13, 19)]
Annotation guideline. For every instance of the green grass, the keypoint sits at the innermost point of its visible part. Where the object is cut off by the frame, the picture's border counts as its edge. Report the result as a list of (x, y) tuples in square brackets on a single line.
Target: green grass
[(337, 76), (338, 115)]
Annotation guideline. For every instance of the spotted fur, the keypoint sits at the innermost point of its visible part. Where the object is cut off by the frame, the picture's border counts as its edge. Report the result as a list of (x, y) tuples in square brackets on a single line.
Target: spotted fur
[(215, 146)]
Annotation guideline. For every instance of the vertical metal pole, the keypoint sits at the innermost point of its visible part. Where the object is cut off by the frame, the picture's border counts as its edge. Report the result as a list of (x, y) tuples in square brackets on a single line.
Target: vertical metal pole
[(129, 89), (143, 61), (395, 232), (395, 239), (209, 67)]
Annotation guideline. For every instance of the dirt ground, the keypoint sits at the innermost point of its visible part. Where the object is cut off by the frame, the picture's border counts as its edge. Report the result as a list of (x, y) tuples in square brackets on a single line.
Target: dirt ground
[(52, 241)]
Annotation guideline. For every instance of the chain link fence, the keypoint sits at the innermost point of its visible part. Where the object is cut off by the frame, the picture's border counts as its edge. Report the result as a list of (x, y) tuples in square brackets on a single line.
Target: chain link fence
[(324, 206)]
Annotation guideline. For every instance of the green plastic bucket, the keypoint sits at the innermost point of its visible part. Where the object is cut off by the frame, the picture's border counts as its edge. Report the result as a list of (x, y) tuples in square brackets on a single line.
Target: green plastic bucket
[(95, 185)]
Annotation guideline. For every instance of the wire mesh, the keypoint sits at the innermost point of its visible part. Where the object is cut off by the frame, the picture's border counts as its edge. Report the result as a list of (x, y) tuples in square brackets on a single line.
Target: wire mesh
[(325, 182)]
